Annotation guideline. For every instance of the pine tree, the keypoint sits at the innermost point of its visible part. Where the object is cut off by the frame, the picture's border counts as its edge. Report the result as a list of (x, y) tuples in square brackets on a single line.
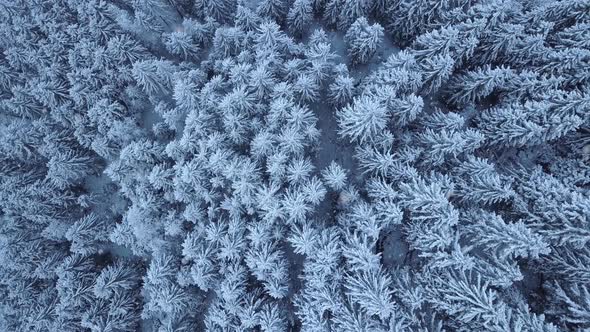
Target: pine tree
[(181, 43), (335, 176), (227, 41), (275, 9), (351, 11), (406, 20), (569, 304), (169, 298), (271, 320), (405, 109), (443, 145), (246, 18), (525, 125), (436, 71), (341, 91), (359, 251), (504, 241), (295, 205), (363, 40), (567, 265), (222, 11), (371, 290), (428, 202), (299, 170), (154, 76), (473, 86), (88, 232), (349, 317), (303, 238), (574, 36), (68, 168), (162, 268), (125, 49), (332, 11), (438, 120), (300, 16), (117, 278), (362, 120), (306, 88), (545, 201), (379, 161), (154, 15), (261, 81), (467, 298)]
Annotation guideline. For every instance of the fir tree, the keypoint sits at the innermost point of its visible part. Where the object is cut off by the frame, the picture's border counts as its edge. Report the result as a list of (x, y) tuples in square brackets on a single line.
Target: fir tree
[(69, 168), (363, 40), (362, 120), (300, 15)]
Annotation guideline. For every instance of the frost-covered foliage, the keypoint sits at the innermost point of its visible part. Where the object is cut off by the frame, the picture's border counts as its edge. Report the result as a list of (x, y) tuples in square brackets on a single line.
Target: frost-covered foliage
[(363, 40), (223, 165)]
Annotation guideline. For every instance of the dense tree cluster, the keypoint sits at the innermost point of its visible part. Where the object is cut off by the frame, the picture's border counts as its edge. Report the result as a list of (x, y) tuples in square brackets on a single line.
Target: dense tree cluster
[(278, 165)]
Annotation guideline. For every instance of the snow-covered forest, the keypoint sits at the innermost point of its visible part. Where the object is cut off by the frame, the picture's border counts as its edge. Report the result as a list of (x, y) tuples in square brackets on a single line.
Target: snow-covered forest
[(294, 165)]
